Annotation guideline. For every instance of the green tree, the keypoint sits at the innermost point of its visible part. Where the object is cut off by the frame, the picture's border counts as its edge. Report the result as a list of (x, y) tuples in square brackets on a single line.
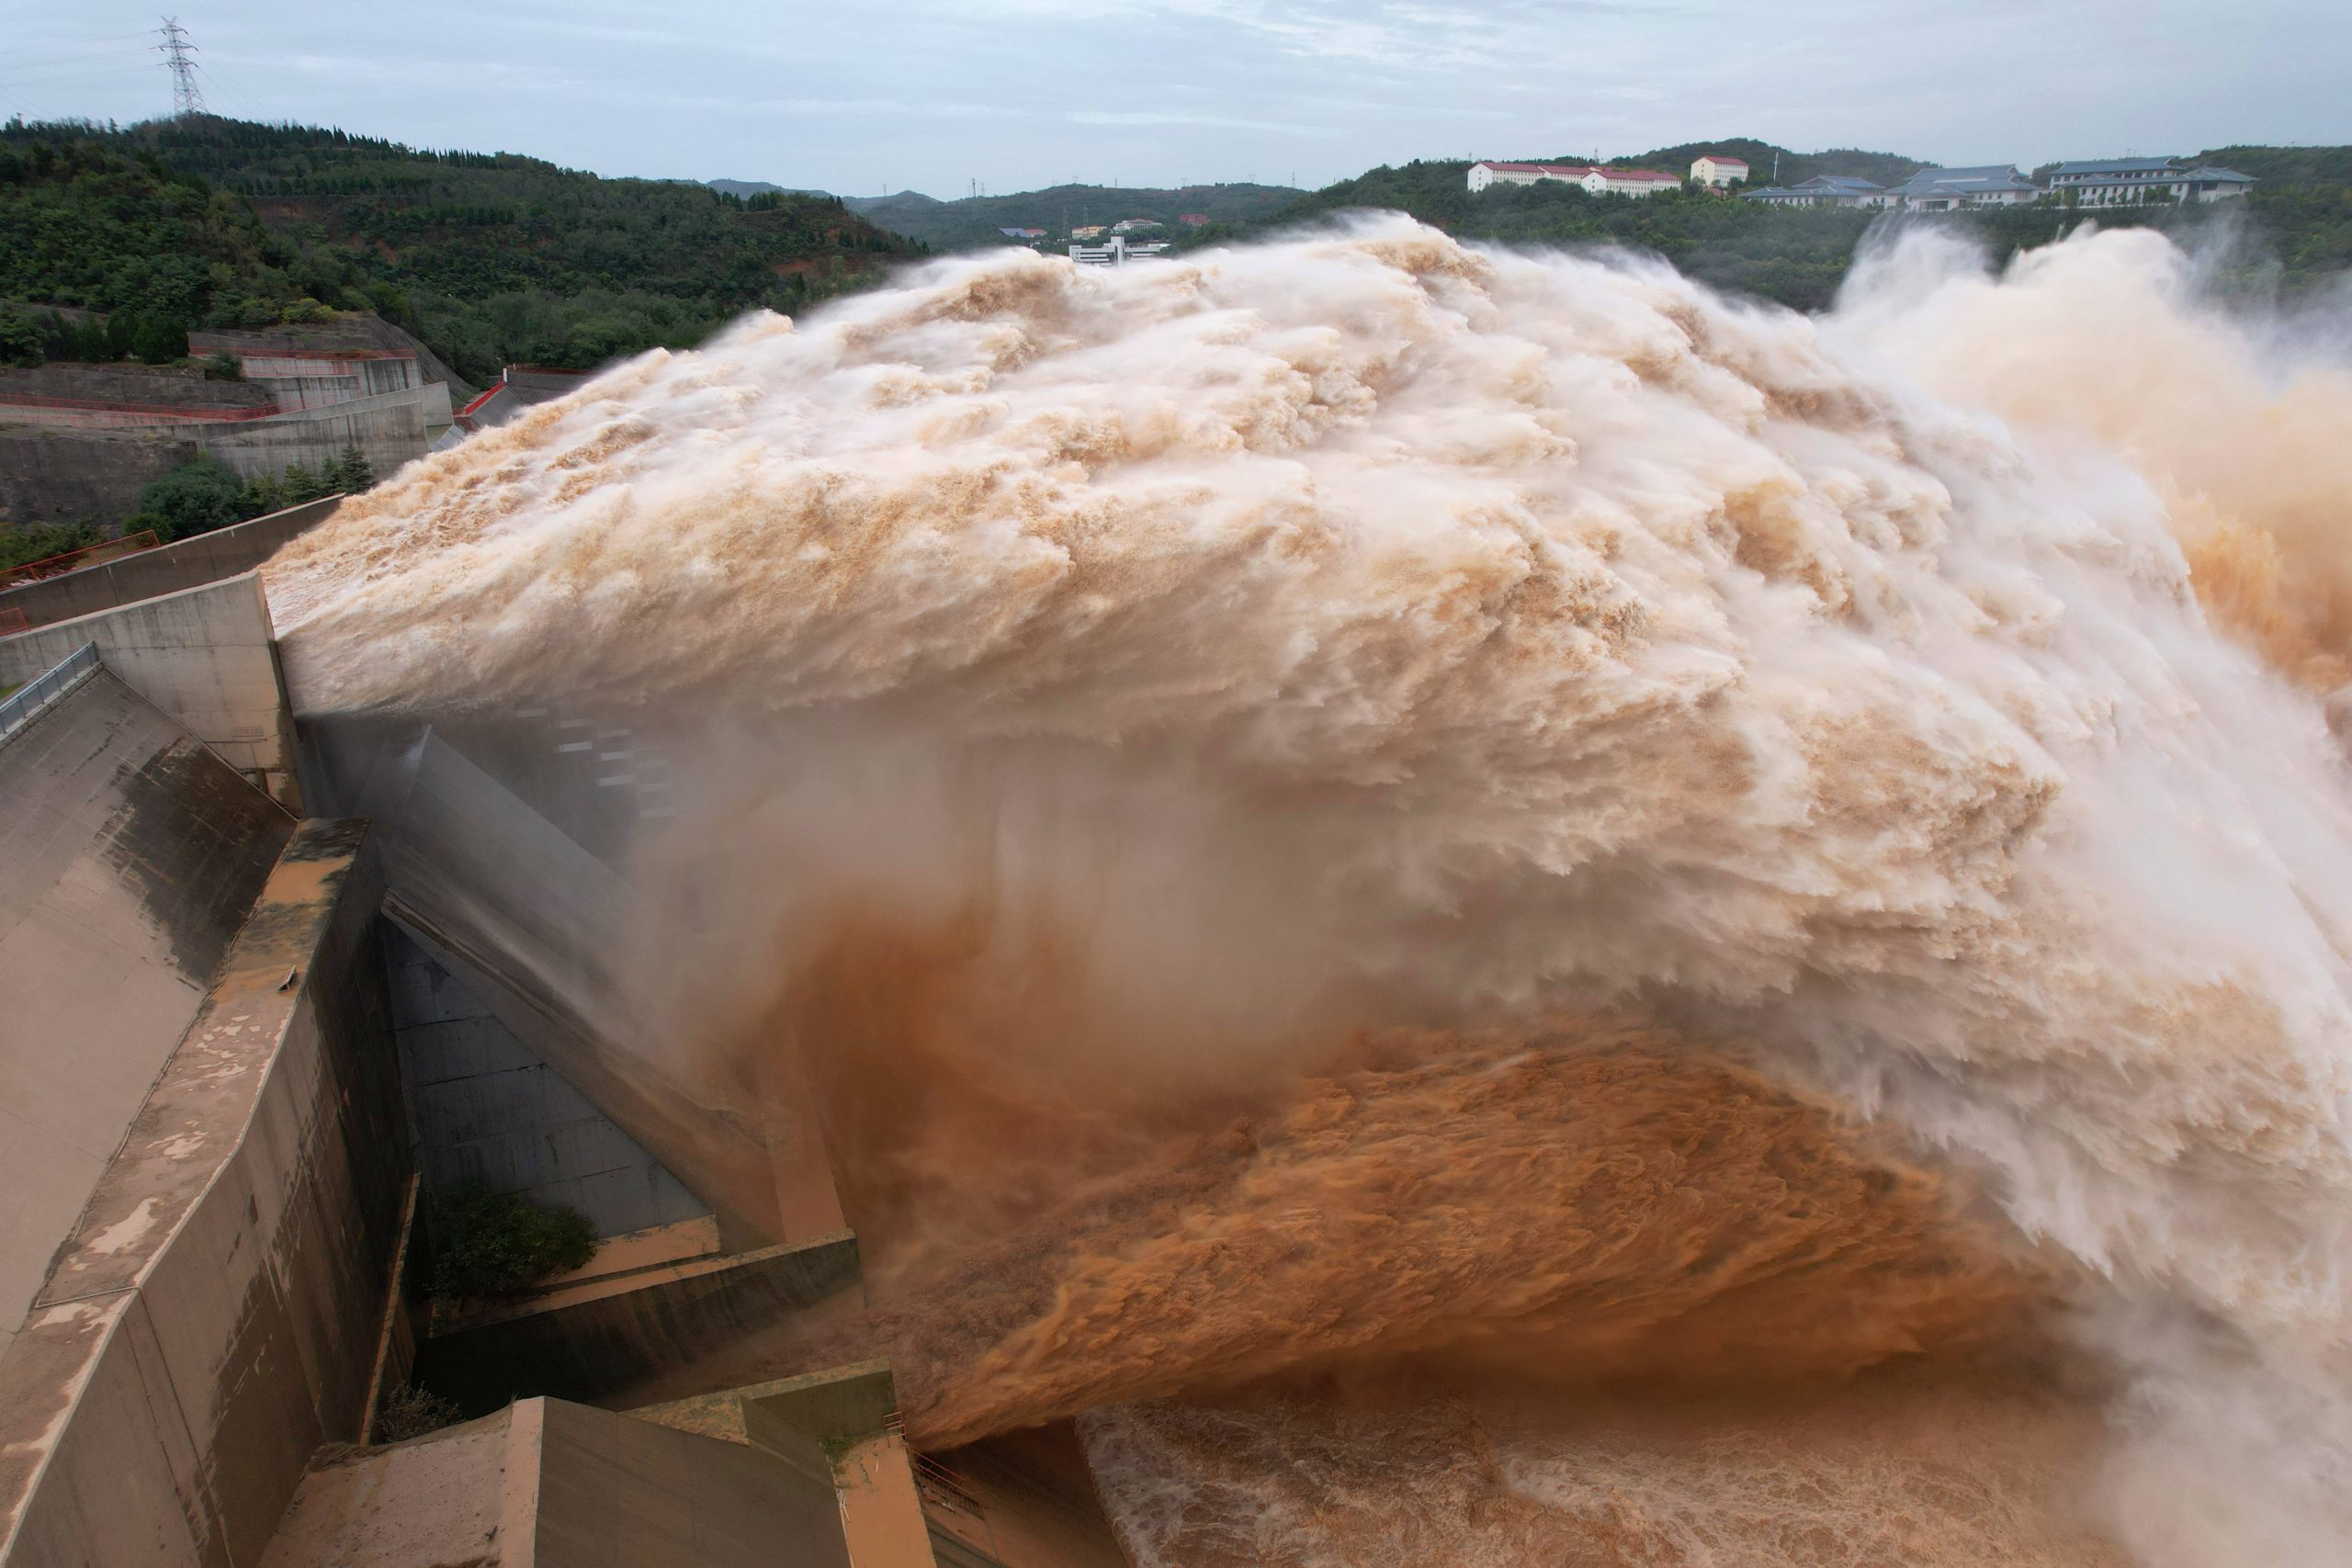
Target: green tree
[(350, 473), (160, 340), (195, 498), (264, 494), (301, 484), (20, 341)]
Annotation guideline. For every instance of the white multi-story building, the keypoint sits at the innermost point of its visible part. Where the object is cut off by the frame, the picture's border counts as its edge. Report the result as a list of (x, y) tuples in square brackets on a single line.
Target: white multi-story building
[(2130, 182), (1485, 173), (1600, 181), (1629, 181), (1718, 169)]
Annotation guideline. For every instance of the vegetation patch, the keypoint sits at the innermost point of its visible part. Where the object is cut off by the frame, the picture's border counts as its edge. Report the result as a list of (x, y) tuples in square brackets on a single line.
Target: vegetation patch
[(492, 1244), (410, 1411), (491, 259)]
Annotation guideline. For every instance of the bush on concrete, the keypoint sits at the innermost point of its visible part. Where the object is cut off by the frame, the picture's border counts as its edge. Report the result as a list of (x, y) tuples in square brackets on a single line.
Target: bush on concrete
[(195, 498), (493, 1244), (411, 1412)]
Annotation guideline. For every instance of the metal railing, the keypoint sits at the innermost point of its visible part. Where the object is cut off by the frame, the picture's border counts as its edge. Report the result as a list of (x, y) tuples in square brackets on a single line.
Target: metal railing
[(21, 706), (74, 560)]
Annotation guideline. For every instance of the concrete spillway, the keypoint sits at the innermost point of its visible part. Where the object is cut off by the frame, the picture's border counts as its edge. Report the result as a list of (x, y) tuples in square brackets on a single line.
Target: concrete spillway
[(243, 1055), (129, 856), (535, 926)]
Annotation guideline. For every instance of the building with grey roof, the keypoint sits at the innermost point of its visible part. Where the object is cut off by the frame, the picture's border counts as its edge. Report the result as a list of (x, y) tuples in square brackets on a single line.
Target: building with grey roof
[(1822, 190), (2132, 182), (1983, 184)]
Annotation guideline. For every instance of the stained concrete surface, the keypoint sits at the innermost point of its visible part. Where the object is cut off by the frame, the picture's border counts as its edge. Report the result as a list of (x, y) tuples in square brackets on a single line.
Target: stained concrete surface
[(550, 1484), (432, 1502), (129, 856), (212, 1319), (47, 475), (537, 928), (486, 1112), (1022, 1500), (206, 656)]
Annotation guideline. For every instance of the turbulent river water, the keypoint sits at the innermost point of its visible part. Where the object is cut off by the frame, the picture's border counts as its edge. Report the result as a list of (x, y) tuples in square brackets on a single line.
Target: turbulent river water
[(1486, 908)]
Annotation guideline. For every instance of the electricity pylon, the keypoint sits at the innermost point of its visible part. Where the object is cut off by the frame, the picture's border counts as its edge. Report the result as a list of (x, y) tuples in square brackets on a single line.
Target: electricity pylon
[(179, 59)]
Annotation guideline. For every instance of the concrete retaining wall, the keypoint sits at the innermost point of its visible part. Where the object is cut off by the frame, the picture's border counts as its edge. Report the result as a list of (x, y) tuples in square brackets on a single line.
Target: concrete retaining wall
[(62, 476), (204, 656), (659, 1334), (537, 927), (212, 1320), (489, 1113), (615, 1490), (169, 569), (129, 856), (390, 428), (549, 1484)]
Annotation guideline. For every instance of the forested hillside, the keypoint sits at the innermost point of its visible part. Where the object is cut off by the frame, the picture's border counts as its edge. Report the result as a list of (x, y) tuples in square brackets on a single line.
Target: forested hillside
[(489, 258), (1785, 166), (972, 221)]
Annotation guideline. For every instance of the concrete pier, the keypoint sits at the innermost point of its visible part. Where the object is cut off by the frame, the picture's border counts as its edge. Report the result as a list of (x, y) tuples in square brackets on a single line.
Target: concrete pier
[(212, 1317)]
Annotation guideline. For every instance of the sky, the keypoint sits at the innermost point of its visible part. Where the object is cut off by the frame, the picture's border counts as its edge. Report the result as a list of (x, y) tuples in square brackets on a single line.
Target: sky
[(949, 96)]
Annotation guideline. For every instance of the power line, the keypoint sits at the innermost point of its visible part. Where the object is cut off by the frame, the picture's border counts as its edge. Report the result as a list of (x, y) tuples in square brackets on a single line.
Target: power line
[(178, 59)]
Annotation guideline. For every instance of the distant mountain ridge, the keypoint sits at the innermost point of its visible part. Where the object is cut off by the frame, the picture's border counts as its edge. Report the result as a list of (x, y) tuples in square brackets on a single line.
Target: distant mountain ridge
[(967, 222), (762, 188)]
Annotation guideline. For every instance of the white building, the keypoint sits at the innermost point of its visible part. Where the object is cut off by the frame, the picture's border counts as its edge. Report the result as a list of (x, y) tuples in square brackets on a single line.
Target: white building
[(1483, 175), (1132, 225), (2129, 182), (1629, 181), (1718, 169), (1115, 252)]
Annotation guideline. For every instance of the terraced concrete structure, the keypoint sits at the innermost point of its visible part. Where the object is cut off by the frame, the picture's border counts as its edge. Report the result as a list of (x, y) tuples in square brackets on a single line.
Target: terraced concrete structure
[(246, 1053)]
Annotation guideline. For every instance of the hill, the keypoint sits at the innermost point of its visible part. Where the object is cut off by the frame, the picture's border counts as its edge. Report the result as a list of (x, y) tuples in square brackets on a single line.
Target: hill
[(489, 258), (749, 189), (971, 222), (2299, 218), (1763, 158)]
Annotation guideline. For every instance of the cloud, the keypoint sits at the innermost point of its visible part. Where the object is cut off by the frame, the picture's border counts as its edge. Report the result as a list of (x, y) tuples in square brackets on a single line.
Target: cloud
[(1146, 117)]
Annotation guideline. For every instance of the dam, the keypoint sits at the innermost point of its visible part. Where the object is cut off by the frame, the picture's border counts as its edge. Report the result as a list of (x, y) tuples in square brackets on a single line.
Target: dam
[(1354, 900), (273, 996)]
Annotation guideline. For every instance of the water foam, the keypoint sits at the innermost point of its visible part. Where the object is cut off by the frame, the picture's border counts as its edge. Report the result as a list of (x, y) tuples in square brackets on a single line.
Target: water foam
[(1366, 630)]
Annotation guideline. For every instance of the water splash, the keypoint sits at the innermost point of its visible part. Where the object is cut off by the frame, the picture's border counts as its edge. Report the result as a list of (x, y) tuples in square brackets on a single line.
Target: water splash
[(1366, 631)]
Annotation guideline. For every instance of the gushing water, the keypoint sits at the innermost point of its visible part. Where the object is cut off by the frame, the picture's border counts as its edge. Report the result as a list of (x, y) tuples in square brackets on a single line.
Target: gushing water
[(1362, 805)]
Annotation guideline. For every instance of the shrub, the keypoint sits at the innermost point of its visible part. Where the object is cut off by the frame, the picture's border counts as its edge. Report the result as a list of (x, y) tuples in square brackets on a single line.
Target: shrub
[(21, 343), (411, 1412), (160, 340), (194, 497), (38, 541), (223, 368), (493, 1243)]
